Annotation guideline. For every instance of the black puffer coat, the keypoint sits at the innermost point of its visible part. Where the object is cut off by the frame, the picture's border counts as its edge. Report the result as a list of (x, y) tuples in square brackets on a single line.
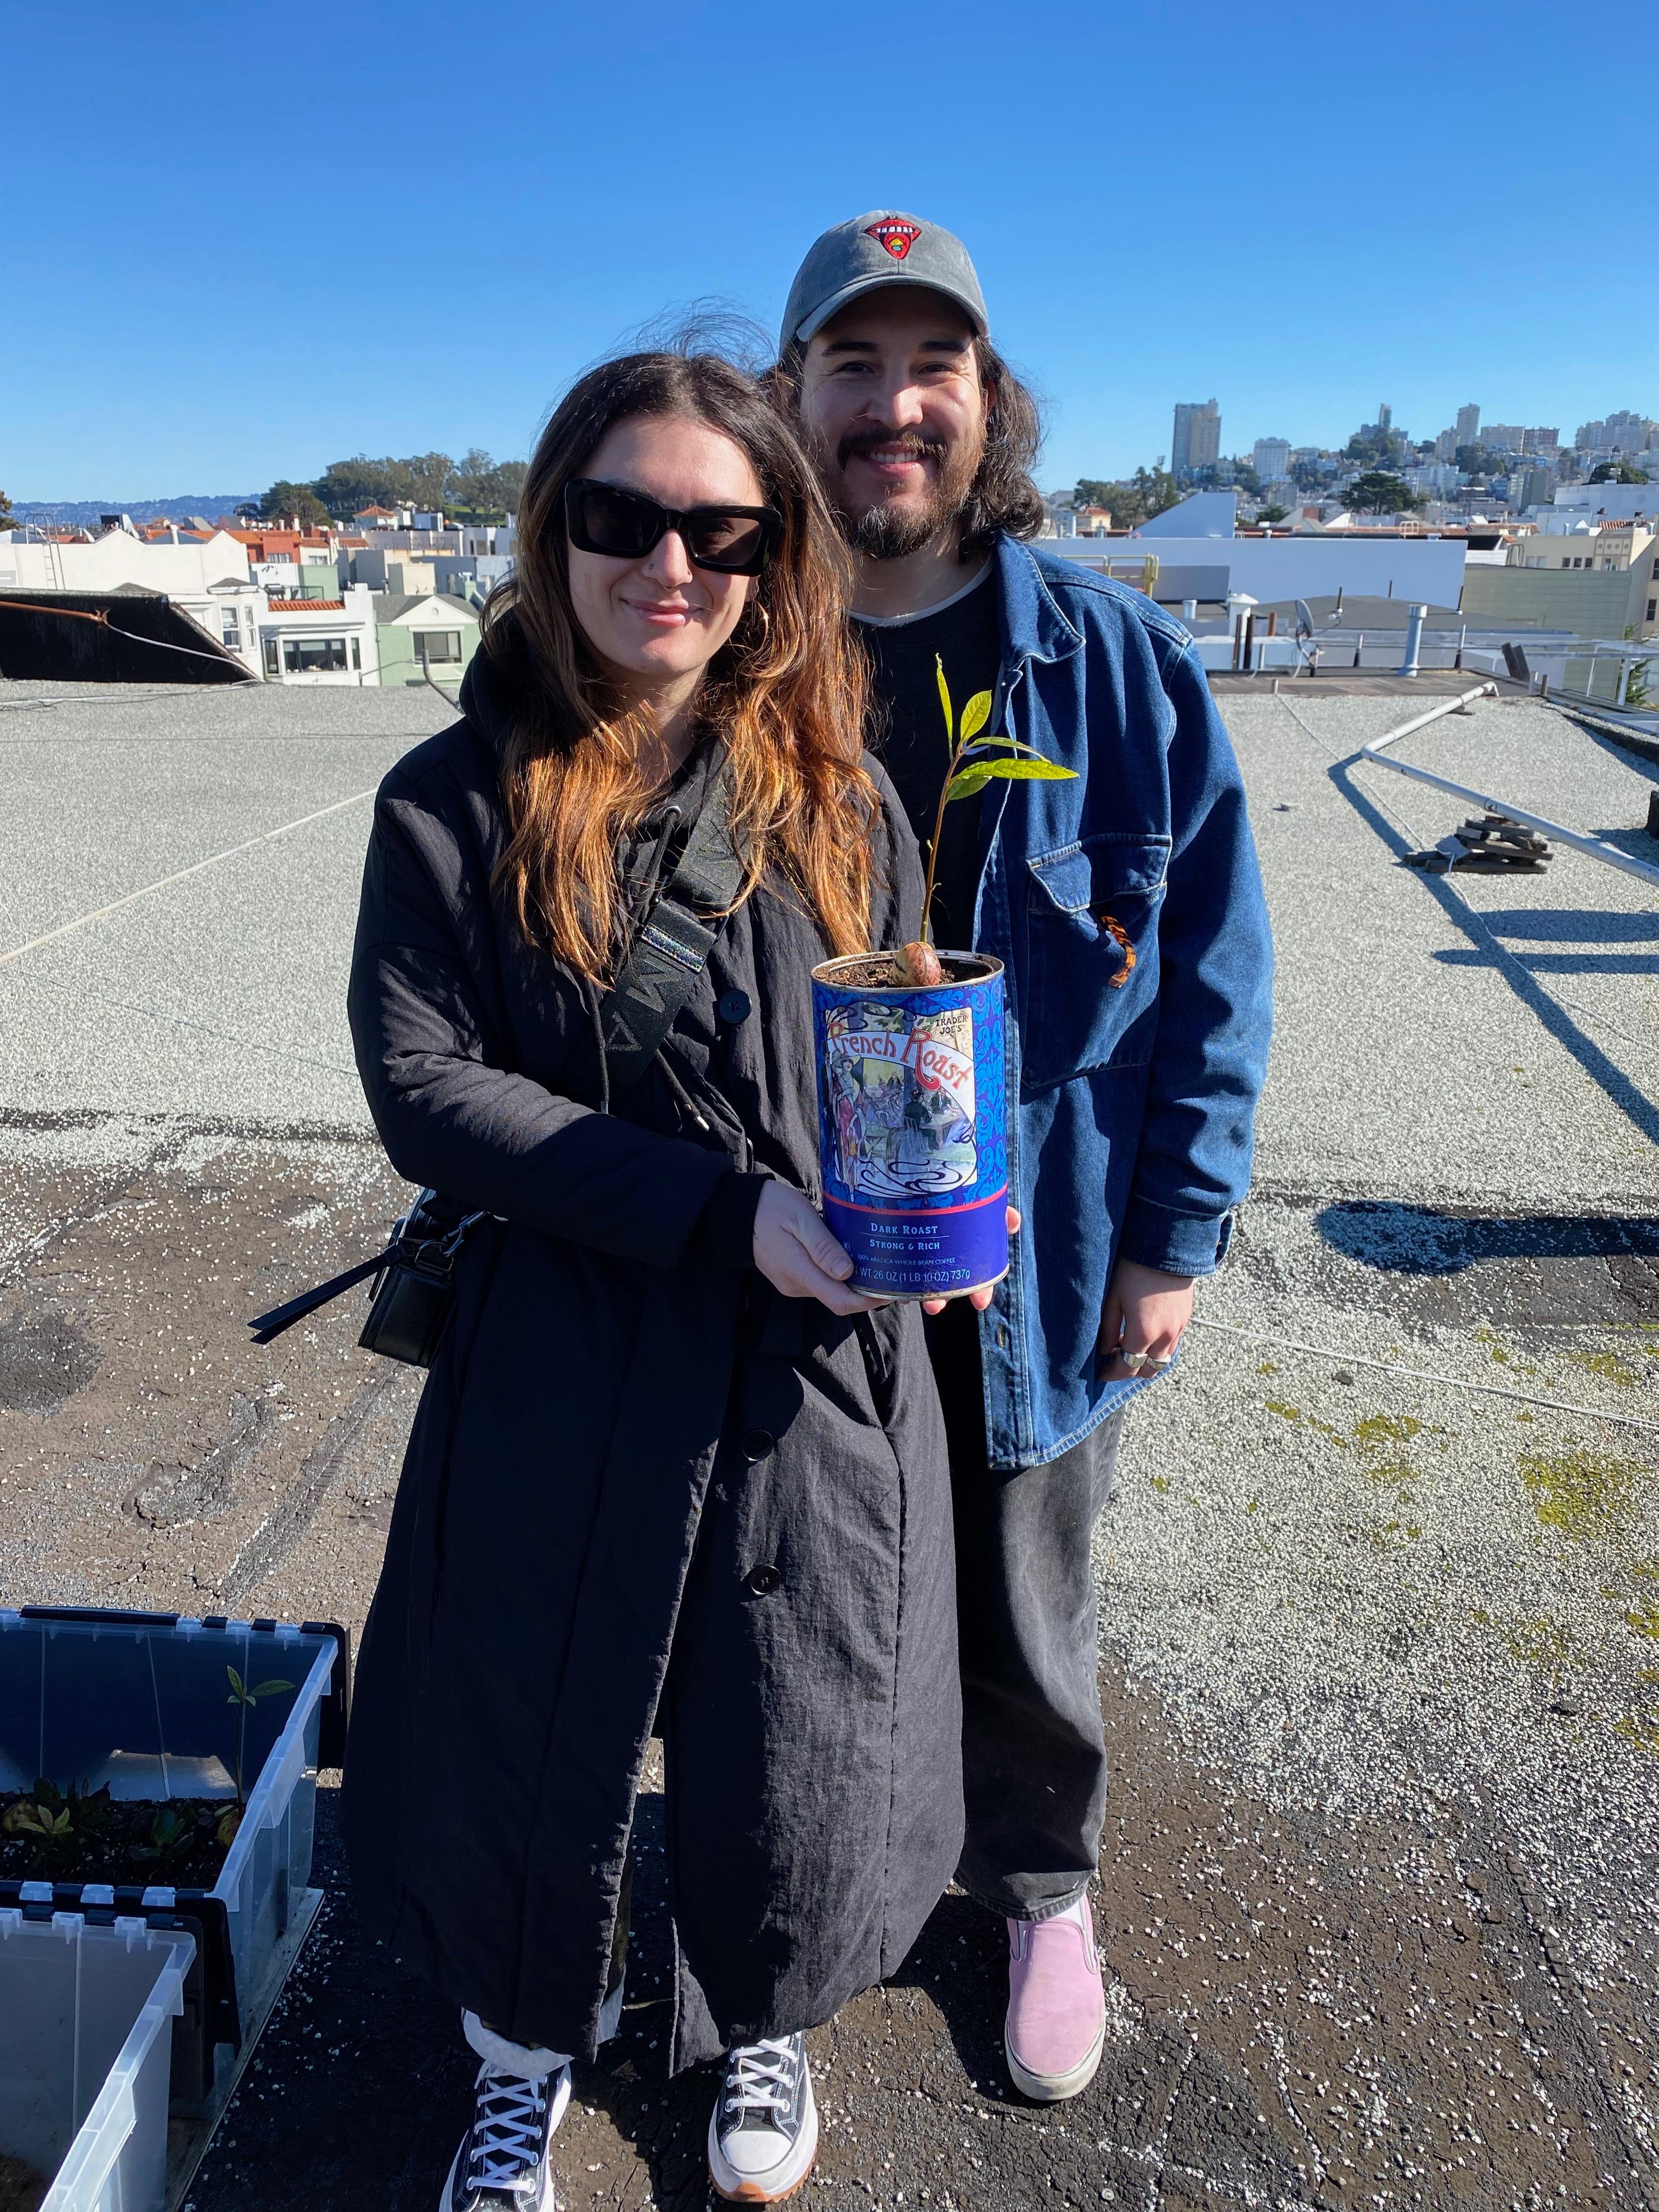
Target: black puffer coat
[(642, 1489)]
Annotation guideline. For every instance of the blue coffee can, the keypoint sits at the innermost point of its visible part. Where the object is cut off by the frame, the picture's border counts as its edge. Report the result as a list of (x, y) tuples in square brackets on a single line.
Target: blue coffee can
[(913, 1123)]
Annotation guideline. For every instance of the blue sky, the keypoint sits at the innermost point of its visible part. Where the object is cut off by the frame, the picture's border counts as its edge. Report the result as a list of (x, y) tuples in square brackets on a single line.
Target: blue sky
[(240, 246)]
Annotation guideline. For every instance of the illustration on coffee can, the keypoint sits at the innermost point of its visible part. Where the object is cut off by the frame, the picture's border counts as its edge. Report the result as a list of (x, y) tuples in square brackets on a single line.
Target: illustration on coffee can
[(912, 1110)]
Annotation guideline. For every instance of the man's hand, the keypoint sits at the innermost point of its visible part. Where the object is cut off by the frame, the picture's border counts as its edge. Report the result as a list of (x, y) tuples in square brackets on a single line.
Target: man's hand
[(978, 1299), (798, 1257), (1145, 1312)]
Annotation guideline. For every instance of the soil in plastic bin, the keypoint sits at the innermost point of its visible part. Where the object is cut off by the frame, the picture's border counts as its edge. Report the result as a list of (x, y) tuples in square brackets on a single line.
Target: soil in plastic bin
[(21, 2189), (173, 1841)]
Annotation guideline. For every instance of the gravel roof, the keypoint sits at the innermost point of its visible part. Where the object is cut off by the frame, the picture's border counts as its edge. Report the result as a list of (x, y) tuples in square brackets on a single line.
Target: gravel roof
[(1427, 1600)]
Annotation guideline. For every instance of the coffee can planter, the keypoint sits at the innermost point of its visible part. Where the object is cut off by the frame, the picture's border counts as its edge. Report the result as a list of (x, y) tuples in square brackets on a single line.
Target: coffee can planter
[(913, 1123)]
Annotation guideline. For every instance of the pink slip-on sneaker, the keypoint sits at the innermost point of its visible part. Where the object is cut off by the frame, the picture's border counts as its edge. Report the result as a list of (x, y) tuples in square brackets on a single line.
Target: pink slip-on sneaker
[(1056, 2025)]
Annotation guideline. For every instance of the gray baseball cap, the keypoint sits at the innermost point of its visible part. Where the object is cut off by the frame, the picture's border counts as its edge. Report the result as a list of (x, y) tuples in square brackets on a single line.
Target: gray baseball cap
[(879, 248)]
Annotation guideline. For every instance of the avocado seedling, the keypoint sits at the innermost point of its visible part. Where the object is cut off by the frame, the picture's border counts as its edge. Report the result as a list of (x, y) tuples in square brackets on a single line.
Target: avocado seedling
[(974, 762), (244, 1697), (60, 1823)]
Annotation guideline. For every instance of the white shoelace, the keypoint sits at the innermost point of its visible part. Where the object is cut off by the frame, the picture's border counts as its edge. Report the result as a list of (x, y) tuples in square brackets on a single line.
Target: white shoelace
[(507, 2133), (760, 2076)]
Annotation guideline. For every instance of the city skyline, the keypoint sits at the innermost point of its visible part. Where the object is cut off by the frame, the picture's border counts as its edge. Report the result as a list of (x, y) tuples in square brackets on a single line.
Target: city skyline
[(1470, 424)]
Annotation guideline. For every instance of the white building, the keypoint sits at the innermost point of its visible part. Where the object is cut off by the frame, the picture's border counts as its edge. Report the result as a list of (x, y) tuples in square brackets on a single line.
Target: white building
[(186, 572), (1623, 432), (320, 641), (1434, 477), (1199, 557), (1271, 459), (1616, 503)]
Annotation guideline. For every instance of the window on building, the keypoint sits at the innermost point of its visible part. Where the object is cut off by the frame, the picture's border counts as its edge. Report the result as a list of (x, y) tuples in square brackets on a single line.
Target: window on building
[(356, 653), (230, 629), (270, 656), (1566, 562), (313, 656), (1652, 603), (438, 644)]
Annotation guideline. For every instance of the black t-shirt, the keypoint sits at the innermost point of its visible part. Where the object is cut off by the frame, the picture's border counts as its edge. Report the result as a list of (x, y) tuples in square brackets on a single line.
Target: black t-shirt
[(908, 731)]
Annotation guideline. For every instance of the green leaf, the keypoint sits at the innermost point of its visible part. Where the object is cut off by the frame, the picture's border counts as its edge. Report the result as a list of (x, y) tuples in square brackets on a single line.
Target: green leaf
[(977, 713), (237, 1691), (945, 700), (270, 1689), (1032, 771), (966, 782), (1013, 744), (974, 777)]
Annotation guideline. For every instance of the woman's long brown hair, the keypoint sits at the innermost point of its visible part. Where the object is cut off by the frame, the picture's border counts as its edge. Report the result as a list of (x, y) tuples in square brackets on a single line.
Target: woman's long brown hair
[(785, 694)]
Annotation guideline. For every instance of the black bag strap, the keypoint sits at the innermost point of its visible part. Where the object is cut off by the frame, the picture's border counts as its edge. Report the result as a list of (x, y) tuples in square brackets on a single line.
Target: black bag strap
[(426, 1240), (672, 948)]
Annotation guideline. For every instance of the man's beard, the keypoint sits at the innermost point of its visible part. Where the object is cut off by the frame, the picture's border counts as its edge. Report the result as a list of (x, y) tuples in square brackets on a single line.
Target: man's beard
[(892, 532)]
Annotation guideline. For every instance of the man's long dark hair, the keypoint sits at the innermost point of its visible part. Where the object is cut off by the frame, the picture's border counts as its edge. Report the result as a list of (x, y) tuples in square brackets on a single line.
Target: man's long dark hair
[(1002, 495)]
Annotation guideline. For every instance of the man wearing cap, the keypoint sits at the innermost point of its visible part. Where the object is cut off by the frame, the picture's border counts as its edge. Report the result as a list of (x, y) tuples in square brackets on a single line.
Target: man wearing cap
[(1126, 906)]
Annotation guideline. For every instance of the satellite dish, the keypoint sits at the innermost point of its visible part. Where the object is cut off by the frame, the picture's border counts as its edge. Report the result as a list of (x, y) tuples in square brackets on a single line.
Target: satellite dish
[(1304, 621)]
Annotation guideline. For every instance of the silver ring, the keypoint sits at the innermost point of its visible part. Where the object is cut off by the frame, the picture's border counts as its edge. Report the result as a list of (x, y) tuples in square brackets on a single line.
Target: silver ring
[(1145, 1359)]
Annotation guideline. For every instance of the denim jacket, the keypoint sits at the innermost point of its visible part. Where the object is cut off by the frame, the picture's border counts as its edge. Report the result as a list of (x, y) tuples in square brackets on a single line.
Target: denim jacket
[(1128, 910)]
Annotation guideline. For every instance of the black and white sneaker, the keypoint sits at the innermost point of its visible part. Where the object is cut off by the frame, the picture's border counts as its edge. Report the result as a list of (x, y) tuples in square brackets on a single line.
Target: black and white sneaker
[(505, 2163), (764, 2131)]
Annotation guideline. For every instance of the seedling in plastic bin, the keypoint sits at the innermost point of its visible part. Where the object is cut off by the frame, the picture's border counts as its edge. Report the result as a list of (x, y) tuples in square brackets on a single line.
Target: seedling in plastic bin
[(245, 1699), (60, 1820), (172, 1832)]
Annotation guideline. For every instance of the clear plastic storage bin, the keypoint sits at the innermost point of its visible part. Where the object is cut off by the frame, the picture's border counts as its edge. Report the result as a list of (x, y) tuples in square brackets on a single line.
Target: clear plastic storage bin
[(143, 1704), (85, 2019)]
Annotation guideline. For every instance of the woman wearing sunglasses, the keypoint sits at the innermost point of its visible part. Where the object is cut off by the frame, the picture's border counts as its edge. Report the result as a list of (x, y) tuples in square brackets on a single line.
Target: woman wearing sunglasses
[(669, 1475)]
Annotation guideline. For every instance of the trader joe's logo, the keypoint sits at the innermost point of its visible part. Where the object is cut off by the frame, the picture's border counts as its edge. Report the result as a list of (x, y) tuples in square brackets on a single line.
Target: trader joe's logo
[(896, 234)]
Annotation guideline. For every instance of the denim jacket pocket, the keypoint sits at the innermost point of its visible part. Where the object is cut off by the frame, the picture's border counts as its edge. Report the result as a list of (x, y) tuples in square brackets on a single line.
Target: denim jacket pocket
[(1092, 992)]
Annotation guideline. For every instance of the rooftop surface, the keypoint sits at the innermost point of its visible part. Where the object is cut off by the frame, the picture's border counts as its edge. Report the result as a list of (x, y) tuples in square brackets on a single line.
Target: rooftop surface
[(1379, 1589)]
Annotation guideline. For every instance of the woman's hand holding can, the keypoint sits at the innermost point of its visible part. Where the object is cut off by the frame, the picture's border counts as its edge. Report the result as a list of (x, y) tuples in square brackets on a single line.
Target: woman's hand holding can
[(799, 1256)]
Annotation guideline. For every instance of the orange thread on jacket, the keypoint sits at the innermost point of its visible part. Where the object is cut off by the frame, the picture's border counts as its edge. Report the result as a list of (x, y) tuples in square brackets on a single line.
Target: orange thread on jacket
[(1119, 935)]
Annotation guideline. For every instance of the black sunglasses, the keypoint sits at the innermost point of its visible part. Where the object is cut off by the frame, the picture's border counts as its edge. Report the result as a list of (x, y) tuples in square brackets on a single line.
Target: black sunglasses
[(732, 541)]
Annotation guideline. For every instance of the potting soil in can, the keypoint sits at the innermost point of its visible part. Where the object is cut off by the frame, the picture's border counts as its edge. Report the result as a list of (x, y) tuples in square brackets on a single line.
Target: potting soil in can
[(912, 1123)]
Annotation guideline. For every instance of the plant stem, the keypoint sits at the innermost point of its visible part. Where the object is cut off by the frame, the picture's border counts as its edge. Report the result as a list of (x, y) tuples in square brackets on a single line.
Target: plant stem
[(959, 748)]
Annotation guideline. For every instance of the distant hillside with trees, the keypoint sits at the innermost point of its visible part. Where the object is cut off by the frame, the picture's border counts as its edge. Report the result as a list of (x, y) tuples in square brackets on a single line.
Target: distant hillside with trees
[(476, 489)]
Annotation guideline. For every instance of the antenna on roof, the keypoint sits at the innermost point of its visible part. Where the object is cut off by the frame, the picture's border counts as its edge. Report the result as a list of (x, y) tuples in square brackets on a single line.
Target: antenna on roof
[(1304, 621)]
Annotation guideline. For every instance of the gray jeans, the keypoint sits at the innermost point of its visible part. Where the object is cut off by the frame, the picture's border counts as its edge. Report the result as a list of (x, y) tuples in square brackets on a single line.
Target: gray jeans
[(1034, 1753)]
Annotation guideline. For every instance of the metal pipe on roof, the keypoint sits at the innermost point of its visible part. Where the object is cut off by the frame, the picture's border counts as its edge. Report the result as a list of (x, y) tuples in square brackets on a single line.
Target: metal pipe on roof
[(1594, 848)]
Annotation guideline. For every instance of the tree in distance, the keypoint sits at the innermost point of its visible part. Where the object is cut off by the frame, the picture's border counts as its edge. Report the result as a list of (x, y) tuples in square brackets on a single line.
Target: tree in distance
[(1479, 460), (1137, 499), (1378, 493), (285, 499), (1380, 448), (476, 489), (1617, 472), (1272, 514), (8, 519)]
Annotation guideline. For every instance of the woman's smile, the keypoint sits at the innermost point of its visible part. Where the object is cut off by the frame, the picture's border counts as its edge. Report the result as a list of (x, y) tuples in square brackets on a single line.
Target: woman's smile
[(661, 614)]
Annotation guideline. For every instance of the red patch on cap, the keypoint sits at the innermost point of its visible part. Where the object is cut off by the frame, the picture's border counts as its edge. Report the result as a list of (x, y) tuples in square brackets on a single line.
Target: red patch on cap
[(897, 236)]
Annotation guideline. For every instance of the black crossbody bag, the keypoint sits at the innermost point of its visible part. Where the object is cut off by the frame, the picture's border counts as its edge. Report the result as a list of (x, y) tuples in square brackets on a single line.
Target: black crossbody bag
[(415, 1276)]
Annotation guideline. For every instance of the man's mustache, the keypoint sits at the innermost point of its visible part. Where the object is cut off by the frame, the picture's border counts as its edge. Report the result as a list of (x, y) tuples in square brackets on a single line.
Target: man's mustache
[(915, 444)]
